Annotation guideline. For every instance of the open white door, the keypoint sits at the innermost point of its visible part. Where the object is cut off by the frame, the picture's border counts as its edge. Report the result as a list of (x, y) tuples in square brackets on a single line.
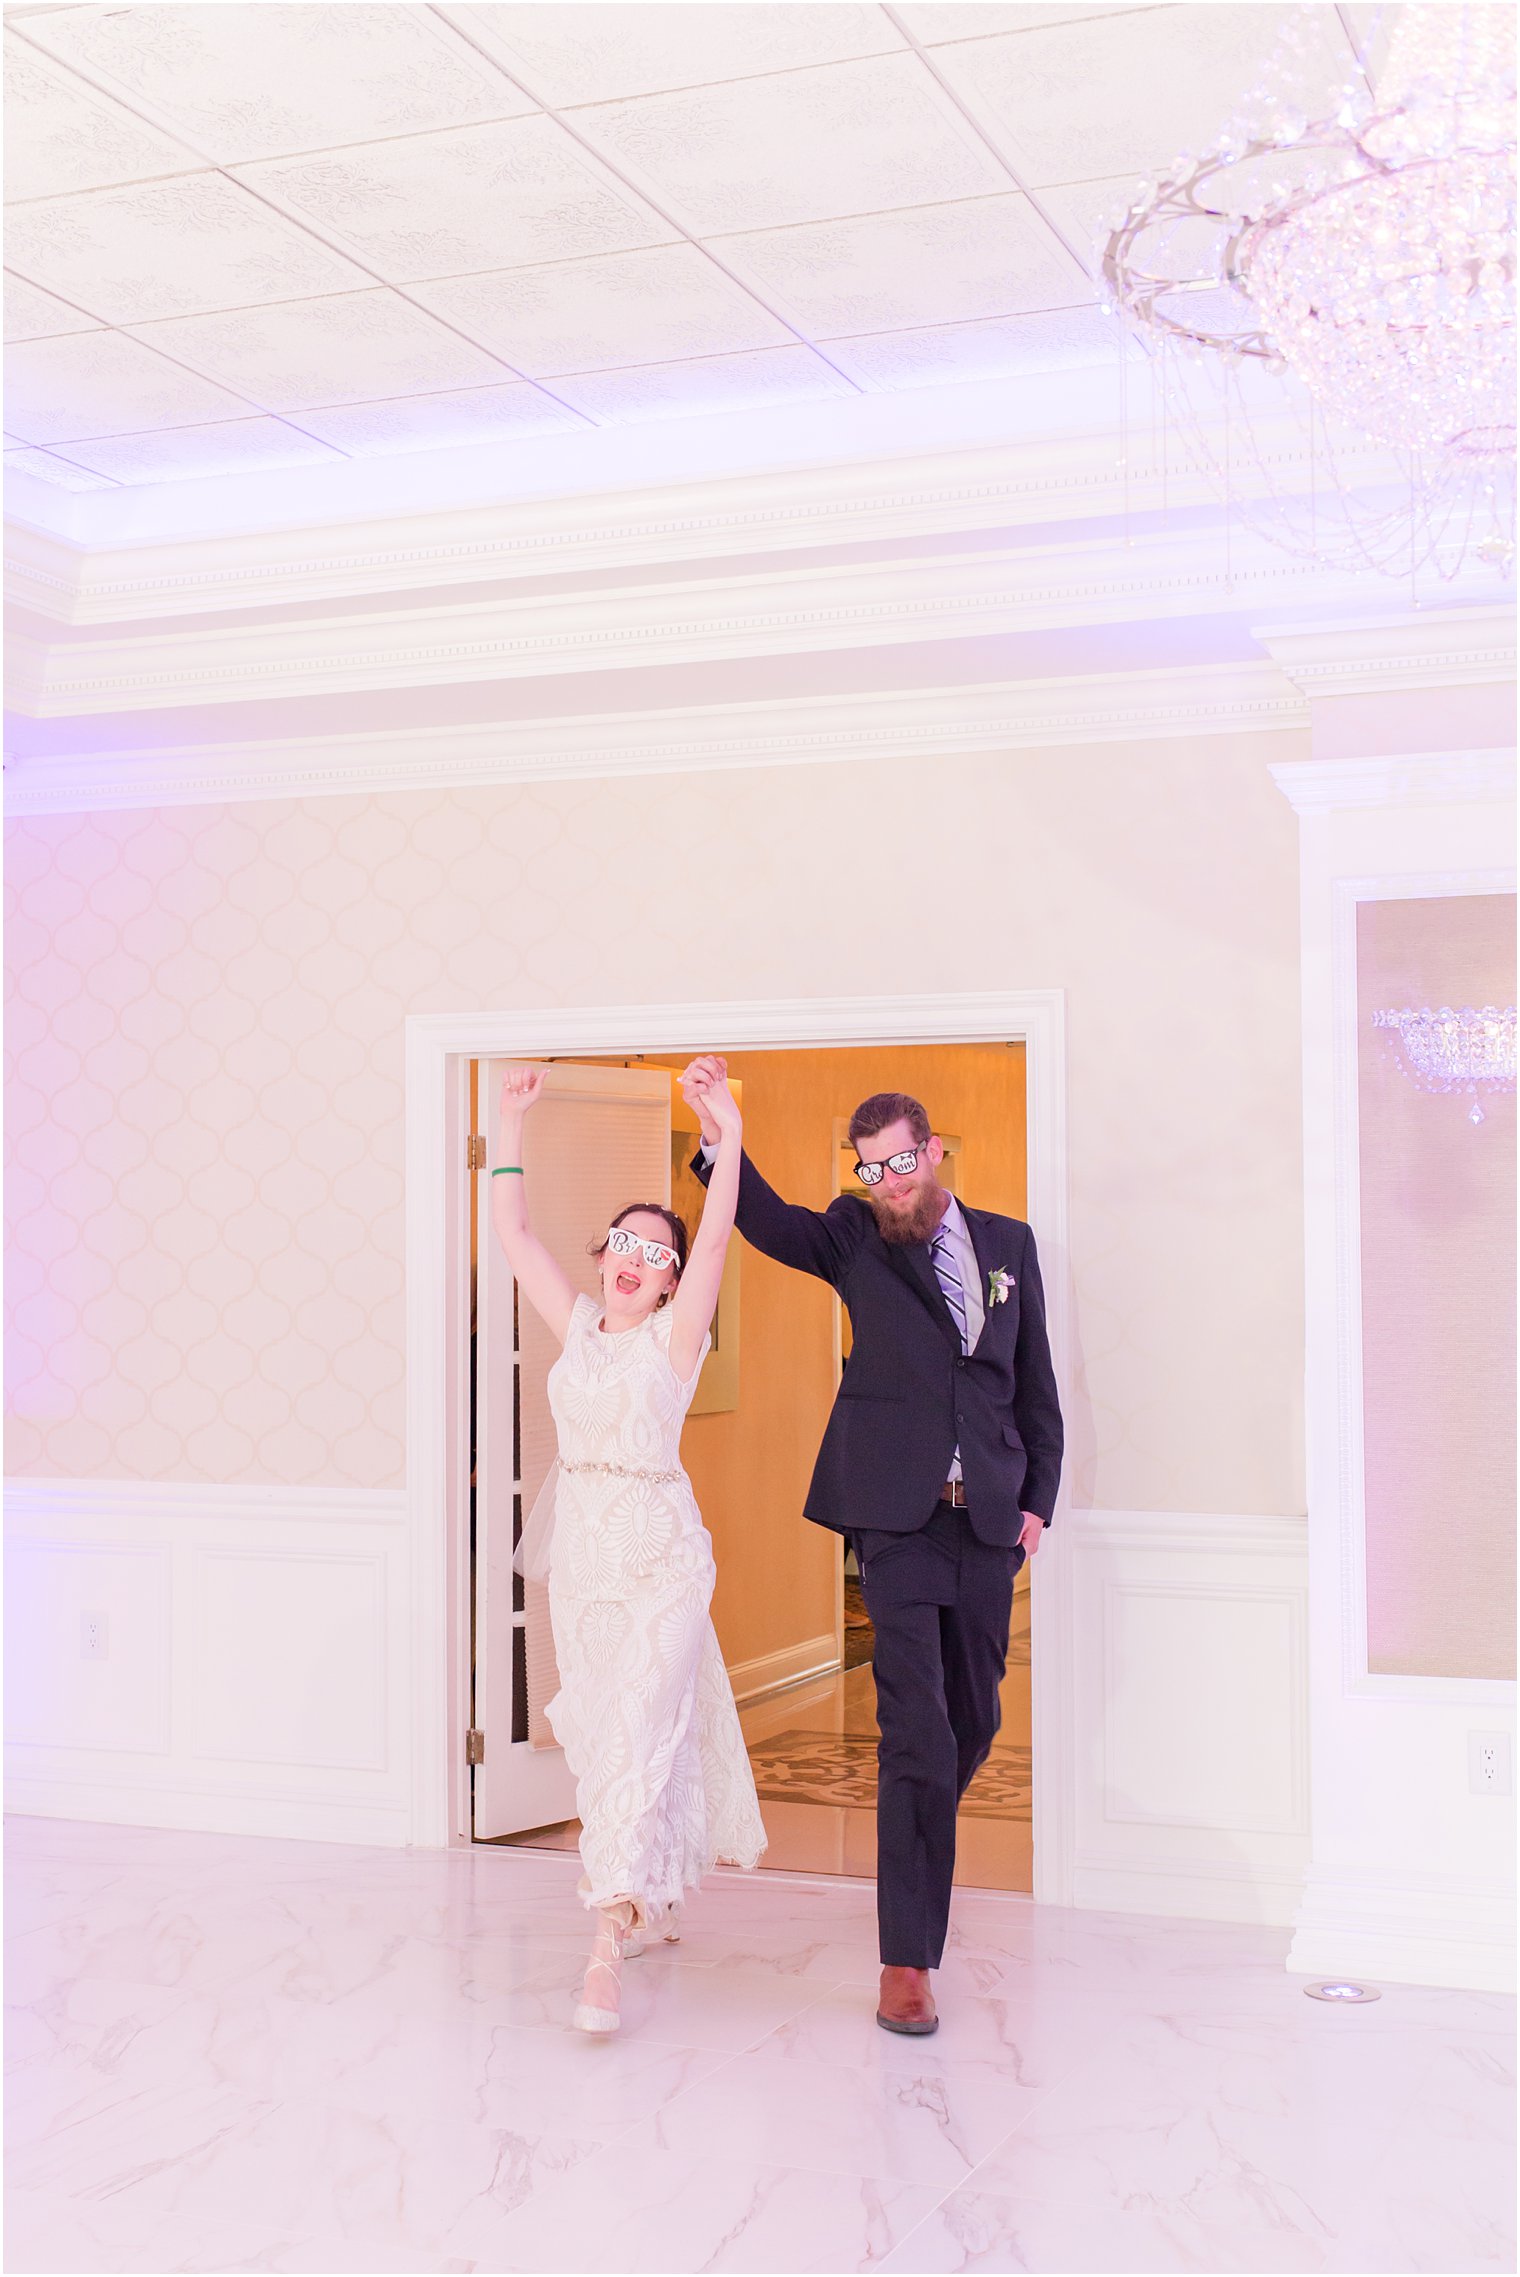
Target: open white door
[(598, 1139)]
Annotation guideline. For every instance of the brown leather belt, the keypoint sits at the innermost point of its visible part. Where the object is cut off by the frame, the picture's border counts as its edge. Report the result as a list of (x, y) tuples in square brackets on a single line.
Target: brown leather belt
[(954, 1492)]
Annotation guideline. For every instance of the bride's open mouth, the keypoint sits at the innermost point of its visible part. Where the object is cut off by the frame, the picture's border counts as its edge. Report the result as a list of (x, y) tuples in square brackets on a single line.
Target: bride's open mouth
[(628, 1284)]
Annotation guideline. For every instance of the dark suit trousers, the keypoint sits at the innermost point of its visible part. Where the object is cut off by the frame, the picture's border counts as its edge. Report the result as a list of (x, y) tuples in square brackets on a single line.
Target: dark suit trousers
[(940, 1602)]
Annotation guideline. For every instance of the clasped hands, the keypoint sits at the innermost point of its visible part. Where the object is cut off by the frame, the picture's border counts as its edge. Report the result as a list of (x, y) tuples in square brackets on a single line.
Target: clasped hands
[(704, 1087)]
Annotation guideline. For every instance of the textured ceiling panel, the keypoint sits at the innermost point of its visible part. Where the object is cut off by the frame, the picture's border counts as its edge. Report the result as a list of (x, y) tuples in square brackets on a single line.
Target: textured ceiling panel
[(268, 80), (728, 383), (351, 349), (1000, 349), (170, 249), (941, 20), (56, 473), (31, 314), (630, 308), (942, 264), (441, 422), (595, 54), (804, 146), (386, 222), (60, 135), (231, 447), (438, 205), (1116, 93), (104, 383)]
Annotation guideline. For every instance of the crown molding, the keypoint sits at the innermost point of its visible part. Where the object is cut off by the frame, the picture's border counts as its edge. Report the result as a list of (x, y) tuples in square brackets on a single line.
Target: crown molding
[(792, 511), (1436, 778), (918, 724), (786, 610), (1466, 646)]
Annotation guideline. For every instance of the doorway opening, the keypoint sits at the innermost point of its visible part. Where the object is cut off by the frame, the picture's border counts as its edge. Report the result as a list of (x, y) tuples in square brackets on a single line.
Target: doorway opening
[(787, 1609)]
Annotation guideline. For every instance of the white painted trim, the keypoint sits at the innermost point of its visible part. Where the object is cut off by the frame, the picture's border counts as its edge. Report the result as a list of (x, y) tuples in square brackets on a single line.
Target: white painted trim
[(591, 525), (1467, 646), (1346, 897), (1436, 778), (98, 1501), (801, 609), (908, 724), (436, 1040), (778, 1671)]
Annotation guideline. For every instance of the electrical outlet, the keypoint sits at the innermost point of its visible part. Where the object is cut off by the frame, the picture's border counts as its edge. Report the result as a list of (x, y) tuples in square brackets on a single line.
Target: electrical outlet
[(94, 1636), (1490, 1763)]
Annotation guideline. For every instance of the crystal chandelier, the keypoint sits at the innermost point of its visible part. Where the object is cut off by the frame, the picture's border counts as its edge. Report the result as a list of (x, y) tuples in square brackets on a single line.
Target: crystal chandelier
[(1471, 1051), (1332, 302)]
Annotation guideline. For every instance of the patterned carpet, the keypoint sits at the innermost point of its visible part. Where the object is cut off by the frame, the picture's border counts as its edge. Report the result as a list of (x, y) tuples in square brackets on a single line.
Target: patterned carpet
[(839, 1768)]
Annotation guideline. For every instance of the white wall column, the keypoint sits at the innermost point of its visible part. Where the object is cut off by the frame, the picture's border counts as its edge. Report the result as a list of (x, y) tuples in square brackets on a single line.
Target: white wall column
[(1411, 1872)]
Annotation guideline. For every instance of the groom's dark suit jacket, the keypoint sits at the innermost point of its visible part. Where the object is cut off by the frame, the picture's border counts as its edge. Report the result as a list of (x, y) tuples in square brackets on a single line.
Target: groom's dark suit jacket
[(909, 1395)]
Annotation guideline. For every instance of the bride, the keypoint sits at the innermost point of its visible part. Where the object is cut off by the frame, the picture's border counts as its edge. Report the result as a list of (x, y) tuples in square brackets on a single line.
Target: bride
[(644, 1713)]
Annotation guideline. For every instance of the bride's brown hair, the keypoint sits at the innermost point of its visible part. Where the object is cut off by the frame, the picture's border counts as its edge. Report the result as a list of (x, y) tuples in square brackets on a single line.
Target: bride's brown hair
[(680, 1240)]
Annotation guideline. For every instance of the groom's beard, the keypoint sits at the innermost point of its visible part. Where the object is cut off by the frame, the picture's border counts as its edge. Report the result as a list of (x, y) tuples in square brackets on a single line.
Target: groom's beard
[(913, 1219)]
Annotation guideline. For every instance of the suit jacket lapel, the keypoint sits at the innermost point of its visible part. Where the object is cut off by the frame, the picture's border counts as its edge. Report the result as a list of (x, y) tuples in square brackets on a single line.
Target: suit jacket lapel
[(984, 1243), (914, 1266)]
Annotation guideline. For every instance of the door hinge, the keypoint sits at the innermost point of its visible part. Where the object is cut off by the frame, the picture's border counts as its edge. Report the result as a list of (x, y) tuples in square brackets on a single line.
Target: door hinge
[(474, 1747), (474, 1154)]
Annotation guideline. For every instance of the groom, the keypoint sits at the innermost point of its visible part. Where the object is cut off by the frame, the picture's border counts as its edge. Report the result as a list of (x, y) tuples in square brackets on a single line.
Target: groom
[(940, 1464)]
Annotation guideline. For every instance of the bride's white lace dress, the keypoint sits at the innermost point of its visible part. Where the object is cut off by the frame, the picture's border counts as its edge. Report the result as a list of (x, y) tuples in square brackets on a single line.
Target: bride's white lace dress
[(645, 1712)]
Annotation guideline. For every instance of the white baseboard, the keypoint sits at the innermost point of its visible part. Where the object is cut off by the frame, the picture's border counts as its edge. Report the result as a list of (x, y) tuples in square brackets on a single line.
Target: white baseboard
[(1402, 1934), (774, 1671), (1212, 1892)]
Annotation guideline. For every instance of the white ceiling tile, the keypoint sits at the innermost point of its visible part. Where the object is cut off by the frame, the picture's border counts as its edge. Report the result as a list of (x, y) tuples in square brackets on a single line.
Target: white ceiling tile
[(171, 249), (593, 54), (247, 82), (34, 315), (1086, 212), (936, 21), (60, 136), (352, 348), (1066, 339), (728, 383), (492, 197), (630, 308), (931, 264), (238, 446), (442, 422), (850, 138), (45, 468), (1080, 100), (103, 383)]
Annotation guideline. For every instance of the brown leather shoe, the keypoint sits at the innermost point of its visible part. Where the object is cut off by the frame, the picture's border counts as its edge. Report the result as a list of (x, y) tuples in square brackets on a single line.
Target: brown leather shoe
[(907, 2004)]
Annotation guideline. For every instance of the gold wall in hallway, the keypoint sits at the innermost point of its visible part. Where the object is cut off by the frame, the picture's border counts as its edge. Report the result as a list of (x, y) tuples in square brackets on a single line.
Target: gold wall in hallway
[(750, 1468)]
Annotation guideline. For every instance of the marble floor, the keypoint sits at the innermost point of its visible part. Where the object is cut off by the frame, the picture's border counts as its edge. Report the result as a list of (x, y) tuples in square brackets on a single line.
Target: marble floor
[(234, 2054)]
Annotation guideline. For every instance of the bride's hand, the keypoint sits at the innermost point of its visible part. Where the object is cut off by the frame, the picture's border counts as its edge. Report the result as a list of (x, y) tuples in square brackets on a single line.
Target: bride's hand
[(520, 1087), (718, 1105)]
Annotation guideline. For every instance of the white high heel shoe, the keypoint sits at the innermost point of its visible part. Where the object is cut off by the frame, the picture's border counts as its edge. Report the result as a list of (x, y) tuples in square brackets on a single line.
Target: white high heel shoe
[(602, 1990)]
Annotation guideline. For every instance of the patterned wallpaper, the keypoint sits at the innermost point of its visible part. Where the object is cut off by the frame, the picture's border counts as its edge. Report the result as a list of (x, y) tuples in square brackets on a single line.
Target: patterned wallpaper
[(205, 1031)]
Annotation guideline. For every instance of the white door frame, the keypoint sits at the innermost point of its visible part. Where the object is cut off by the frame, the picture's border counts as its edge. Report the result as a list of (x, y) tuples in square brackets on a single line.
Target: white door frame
[(437, 1047)]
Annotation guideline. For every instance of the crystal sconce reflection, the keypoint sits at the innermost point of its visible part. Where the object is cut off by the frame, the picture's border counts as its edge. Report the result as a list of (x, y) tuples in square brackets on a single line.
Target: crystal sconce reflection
[(1470, 1051)]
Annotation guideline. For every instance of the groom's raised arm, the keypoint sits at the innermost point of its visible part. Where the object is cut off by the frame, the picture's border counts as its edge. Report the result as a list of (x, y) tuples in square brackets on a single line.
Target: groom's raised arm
[(811, 1241)]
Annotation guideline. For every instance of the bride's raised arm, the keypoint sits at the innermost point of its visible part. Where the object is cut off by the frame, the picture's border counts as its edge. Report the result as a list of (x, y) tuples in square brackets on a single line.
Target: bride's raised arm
[(696, 1298), (542, 1281)]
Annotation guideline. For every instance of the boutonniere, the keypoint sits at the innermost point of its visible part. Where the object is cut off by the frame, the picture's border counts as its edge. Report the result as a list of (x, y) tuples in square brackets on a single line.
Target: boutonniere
[(999, 1282)]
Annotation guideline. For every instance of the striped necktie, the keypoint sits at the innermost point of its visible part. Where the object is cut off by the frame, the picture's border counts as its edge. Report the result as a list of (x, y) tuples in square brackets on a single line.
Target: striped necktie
[(943, 1254)]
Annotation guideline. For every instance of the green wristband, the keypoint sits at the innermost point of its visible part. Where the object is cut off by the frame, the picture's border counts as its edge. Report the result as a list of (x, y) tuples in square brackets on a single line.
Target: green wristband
[(509, 1170)]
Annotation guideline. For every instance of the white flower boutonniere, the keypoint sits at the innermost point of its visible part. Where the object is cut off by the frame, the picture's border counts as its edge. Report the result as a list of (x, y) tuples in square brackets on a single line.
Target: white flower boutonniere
[(999, 1282)]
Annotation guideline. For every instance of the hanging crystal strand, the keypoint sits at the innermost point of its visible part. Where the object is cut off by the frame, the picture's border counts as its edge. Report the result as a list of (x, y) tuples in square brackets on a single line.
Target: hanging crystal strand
[(1124, 426), (1229, 492)]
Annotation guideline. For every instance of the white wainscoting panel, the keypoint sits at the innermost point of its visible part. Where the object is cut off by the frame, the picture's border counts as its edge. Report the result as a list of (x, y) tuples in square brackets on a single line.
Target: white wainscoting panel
[(252, 1678), (1190, 1713)]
